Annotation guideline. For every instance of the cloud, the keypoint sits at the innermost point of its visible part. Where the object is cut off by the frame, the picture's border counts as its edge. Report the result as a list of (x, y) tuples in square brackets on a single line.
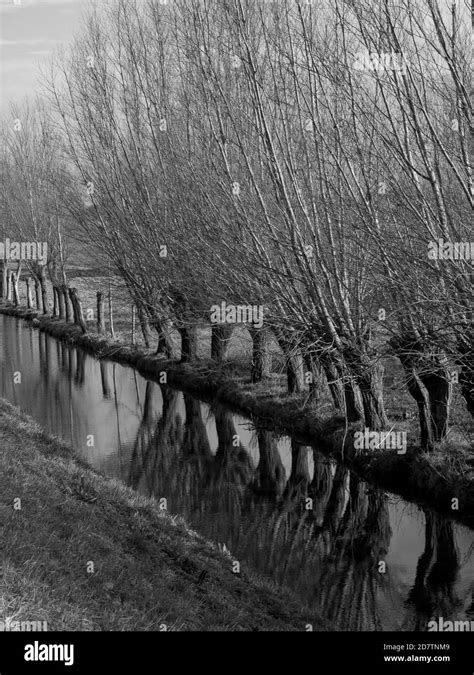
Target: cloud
[(28, 43), (9, 6), (29, 33), (15, 65)]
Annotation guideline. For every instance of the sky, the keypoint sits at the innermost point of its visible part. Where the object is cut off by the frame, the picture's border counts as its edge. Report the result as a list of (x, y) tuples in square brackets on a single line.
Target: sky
[(29, 33)]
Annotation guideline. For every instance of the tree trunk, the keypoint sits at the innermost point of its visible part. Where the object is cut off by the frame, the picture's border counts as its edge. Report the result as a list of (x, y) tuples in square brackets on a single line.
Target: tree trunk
[(74, 310), (220, 335), (55, 301), (466, 376), (466, 380), (188, 343), (315, 373), (165, 344), (334, 382), (186, 326), (67, 305), (39, 305), (371, 388), (418, 391), (354, 407), (61, 308), (294, 365), (367, 373), (439, 388), (429, 382), (44, 295), (261, 357), (144, 325), (295, 374), (77, 307)]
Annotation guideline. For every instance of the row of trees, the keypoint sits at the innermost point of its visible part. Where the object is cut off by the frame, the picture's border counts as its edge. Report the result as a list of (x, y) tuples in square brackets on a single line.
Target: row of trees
[(32, 208), (248, 152)]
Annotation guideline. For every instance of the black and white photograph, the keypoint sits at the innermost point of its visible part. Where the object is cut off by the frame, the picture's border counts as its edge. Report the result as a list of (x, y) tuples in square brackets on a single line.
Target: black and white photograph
[(236, 333)]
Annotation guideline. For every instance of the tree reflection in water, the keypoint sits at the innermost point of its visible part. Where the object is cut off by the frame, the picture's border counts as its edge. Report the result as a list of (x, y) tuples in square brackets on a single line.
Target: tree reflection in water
[(323, 527), (279, 507), (433, 593)]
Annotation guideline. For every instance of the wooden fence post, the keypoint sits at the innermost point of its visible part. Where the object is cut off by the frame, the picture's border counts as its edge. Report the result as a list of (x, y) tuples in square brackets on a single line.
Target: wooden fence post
[(111, 315), (100, 313), (133, 324), (9, 286), (5, 281), (29, 299), (16, 295)]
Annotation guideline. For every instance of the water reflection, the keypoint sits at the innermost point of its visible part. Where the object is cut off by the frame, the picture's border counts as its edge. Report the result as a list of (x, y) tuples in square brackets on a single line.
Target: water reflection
[(434, 590), (280, 507)]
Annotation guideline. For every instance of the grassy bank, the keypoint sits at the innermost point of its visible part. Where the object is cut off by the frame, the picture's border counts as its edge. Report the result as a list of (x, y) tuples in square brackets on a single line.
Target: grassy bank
[(433, 480), (149, 569)]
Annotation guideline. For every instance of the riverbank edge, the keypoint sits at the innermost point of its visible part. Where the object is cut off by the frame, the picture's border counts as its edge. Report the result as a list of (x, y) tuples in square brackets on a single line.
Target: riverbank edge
[(432, 481), (150, 570)]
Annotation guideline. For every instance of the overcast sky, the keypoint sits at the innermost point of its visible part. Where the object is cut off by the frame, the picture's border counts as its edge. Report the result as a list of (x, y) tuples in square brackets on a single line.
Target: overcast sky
[(29, 32)]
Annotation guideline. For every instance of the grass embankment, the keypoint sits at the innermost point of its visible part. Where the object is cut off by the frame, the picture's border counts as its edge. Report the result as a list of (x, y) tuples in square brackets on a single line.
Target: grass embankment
[(433, 480), (150, 570)]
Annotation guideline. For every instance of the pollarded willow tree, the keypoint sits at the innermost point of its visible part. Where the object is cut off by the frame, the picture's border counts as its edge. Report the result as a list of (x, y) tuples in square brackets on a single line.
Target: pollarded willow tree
[(32, 197), (298, 156), (423, 118), (122, 99)]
